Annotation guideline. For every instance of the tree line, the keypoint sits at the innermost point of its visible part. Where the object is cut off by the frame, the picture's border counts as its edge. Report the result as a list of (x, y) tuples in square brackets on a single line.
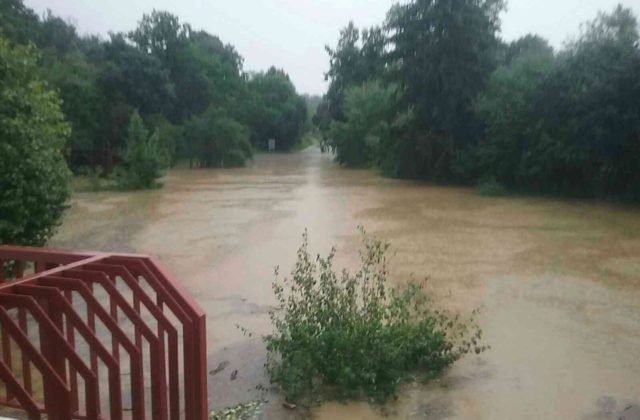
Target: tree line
[(177, 78), (125, 107), (434, 93)]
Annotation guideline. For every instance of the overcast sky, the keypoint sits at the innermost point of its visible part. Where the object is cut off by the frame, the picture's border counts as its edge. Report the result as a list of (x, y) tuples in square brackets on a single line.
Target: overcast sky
[(291, 34)]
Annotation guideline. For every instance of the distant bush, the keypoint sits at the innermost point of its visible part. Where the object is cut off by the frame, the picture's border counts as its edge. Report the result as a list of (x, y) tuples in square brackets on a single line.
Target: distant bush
[(352, 335), (234, 158), (491, 187), (216, 140)]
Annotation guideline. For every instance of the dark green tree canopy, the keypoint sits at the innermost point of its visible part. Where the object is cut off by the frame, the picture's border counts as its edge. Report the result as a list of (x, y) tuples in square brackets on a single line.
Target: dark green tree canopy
[(33, 172), (162, 35), (138, 79), (18, 23), (276, 111), (442, 53), (471, 108), (358, 57), (165, 70)]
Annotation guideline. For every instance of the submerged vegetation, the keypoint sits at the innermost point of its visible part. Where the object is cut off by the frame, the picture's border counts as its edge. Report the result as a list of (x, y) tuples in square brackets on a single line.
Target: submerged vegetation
[(352, 335), (434, 93)]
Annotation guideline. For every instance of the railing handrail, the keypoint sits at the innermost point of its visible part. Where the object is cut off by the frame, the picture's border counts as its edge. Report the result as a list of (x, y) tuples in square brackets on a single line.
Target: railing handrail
[(50, 280)]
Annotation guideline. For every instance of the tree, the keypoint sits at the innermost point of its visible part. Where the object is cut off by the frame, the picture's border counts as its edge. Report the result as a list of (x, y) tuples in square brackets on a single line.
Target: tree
[(569, 123), (172, 75), (276, 111), (506, 108), (232, 141), (216, 140), (18, 23), (528, 44), (57, 35), (129, 79), (84, 104), (145, 158), (358, 57), (590, 115), (369, 113), (441, 55), (33, 173), (161, 34), (135, 78), (208, 72)]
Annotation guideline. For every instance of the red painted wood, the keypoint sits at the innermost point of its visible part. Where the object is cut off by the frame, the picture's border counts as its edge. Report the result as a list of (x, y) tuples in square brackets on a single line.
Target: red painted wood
[(47, 296)]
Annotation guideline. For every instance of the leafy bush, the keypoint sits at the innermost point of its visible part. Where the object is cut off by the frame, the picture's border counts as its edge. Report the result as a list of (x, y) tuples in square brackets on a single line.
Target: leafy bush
[(216, 140), (34, 177), (234, 158), (354, 335), (145, 158), (491, 187), (368, 109), (232, 142)]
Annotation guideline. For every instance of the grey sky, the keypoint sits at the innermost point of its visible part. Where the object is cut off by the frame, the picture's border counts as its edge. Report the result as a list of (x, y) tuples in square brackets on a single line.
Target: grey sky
[(291, 34)]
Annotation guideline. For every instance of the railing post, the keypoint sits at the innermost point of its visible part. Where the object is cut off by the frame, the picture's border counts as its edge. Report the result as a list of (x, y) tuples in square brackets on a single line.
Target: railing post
[(201, 367)]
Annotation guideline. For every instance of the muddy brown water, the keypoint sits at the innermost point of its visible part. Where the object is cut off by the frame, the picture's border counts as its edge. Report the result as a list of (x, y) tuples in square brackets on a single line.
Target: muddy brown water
[(558, 281)]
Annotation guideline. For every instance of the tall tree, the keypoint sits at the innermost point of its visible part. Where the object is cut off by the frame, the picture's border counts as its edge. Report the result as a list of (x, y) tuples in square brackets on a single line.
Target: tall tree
[(358, 57), (441, 54), (161, 34)]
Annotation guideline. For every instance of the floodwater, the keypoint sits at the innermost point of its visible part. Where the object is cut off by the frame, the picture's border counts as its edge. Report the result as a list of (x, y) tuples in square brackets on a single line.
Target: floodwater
[(558, 281)]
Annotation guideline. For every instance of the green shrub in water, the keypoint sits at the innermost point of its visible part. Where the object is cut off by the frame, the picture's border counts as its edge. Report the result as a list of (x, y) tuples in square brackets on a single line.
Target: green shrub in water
[(351, 335)]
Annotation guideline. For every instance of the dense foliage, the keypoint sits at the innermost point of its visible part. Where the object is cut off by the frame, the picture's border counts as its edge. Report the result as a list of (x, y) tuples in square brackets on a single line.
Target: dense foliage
[(465, 106), (215, 140), (355, 334), (125, 107), (368, 109), (169, 72), (33, 132), (276, 111)]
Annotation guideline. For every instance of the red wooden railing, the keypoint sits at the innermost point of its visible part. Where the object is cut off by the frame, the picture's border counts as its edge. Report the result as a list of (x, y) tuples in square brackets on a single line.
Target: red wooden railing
[(107, 335)]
